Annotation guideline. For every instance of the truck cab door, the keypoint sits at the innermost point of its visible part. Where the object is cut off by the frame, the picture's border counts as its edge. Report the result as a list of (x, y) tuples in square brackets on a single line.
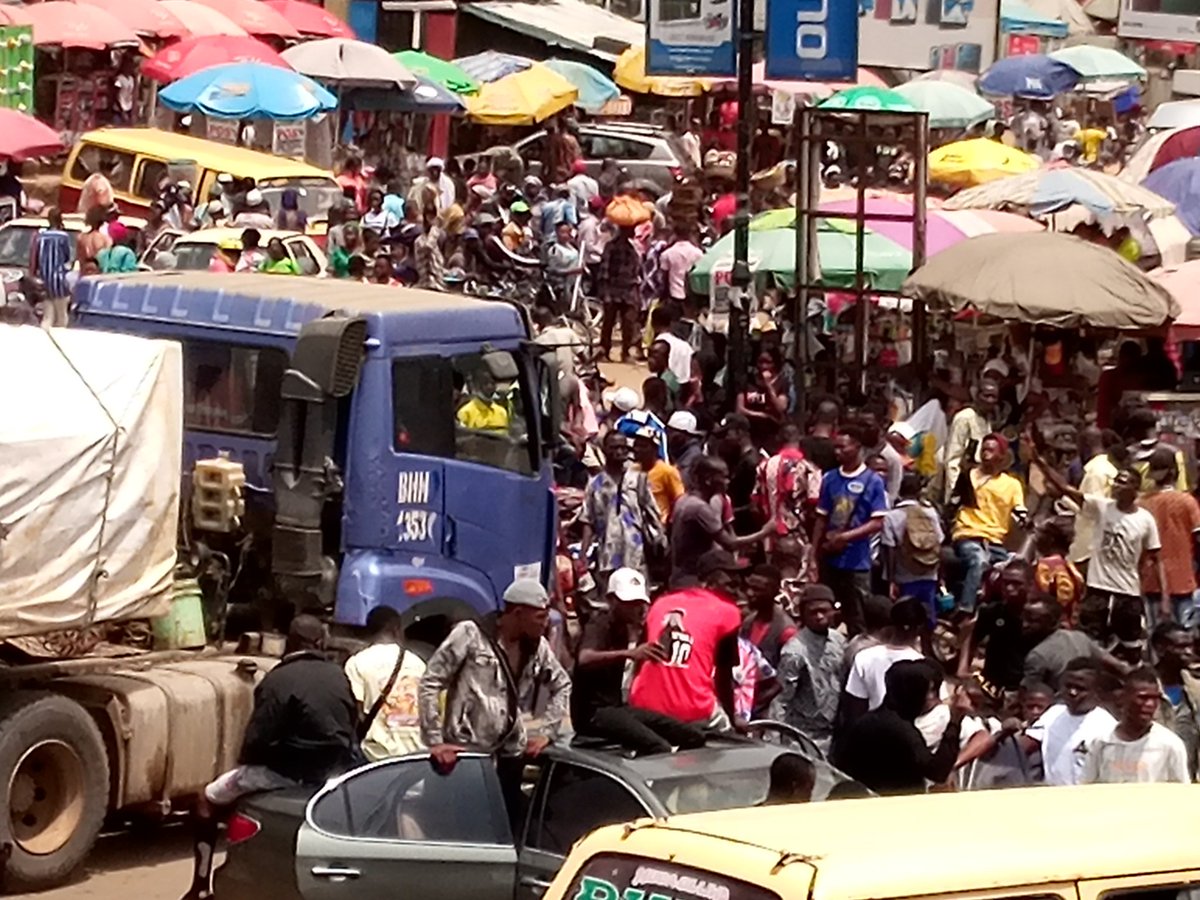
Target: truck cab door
[(400, 829)]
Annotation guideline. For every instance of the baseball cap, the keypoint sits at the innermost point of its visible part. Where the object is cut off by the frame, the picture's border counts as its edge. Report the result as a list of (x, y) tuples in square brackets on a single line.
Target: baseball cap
[(526, 592), (519, 206), (682, 420), (718, 559), (254, 197), (628, 585), (624, 399)]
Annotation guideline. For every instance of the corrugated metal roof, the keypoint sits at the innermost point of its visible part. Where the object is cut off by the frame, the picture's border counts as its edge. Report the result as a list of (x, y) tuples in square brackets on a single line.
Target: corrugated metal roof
[(562, 23)]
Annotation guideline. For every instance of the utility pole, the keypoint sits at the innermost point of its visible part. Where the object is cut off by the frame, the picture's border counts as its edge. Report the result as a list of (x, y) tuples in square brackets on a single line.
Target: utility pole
[(740, 277)]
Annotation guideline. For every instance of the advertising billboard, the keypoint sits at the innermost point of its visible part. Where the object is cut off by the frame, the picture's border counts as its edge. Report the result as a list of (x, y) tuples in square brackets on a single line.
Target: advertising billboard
[(1160, 20), (691, 37), (814, 40), (928, 34)]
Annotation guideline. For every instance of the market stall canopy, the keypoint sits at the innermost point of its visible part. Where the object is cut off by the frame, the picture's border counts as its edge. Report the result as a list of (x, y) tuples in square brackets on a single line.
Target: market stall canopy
[(1179, 182), (868, 98), (1183, 281), (449, 75), (1042, 279), (1035, 77), (977, 161), (194, 54), (1094, 63), (1052, 190), (23, 137), (571, 24), (1158, 150), (948, 105), (203, 21), (349, 63), (310, 19), (491, 65), (248, 91), (522, 98), (630, 73), (773, 256), (595, 88), (254, 17), (146, 17), (59, 23), (1175, 114), (819, 89)]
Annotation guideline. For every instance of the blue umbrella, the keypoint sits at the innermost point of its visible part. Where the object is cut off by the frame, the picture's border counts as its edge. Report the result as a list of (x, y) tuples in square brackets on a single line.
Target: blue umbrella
[(427, 96), (1179, 182), (1059, 188), (491, 65), (595, 88), (1037, 77), (248, 90)]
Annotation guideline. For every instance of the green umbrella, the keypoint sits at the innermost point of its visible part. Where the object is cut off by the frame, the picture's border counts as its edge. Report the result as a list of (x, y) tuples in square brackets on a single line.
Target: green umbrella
[(1099, 63), (773, 256), (949, 105), (444, 73), (866, 98)]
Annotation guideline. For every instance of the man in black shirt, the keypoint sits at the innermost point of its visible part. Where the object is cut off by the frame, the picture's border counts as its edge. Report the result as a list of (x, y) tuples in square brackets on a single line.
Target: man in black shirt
[(818, 443), (302, 730), (997, 628), (737, 449), (885, 751), (610, 640)]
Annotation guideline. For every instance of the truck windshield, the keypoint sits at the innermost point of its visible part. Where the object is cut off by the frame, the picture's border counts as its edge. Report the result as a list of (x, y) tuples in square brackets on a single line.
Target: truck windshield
[(464, 407)]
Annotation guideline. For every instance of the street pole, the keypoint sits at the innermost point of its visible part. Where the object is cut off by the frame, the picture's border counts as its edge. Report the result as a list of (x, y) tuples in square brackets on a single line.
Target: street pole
[(735, 358)]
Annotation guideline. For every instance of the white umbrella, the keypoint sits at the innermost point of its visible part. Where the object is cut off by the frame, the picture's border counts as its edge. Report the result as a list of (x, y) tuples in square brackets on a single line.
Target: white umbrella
[(1175, 114), (347, 63)]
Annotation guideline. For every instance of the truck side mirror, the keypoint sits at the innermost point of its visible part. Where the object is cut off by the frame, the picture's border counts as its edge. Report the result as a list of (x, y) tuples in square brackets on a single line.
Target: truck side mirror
[(550, 386), (329, 355)]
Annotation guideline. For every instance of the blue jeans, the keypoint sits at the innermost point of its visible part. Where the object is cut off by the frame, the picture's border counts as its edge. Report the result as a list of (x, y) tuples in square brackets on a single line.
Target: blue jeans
[(1183, 610), (975, 556), (925, 590)]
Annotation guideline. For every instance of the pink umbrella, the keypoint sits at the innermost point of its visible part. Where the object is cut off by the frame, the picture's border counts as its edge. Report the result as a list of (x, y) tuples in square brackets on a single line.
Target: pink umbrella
[(1183, 281), (201, 21), (63, 24), (254, 18), (309, 18)]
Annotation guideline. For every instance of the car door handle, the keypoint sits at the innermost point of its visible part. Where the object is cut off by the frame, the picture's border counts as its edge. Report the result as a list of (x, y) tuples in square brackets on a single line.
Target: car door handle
[(335, 873), (536, 884)]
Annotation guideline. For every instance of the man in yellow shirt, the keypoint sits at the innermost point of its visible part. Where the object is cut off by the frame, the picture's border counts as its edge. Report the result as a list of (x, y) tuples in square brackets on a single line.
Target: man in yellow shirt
[(666, 485), (482, 412), (981, 527)]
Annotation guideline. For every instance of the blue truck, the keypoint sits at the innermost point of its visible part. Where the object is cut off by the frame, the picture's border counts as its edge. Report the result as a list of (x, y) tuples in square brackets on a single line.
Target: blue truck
[(396, 442)]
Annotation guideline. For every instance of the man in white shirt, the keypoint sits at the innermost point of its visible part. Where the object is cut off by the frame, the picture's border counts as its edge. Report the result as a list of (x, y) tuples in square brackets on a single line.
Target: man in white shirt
[(1064, 731), (1137, 749), (676, 261), (679, 359), (865, 687), (970, 425), (387, 668), (582, 186), (1098, 475), (436, 178)]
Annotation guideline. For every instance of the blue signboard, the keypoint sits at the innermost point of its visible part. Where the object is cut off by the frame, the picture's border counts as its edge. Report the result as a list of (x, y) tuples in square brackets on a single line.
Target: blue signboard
[(691, 37), (812, 40)]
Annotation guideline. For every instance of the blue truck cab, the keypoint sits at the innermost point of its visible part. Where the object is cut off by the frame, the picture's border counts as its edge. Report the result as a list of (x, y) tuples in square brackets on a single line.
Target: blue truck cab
[(396, 442)]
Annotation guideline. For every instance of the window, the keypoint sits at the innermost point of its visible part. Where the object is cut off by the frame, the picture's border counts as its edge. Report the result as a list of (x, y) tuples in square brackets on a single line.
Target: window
[(16, 246), (470, 407), (678, 10), (409, 801), (578, 801), (534, 149), (193, 256), (114, 165), (152, 174), (234, 389), (303, 257), (1155, 892), (605, 146)]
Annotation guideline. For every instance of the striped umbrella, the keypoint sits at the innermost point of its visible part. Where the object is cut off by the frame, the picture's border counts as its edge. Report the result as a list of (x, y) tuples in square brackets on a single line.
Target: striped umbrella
[(491, 65), (1046, 191)]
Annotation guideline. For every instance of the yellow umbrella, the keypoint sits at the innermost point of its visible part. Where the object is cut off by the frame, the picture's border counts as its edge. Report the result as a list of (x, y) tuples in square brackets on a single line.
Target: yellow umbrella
[(630, 73), (522, 98), (967, 163)]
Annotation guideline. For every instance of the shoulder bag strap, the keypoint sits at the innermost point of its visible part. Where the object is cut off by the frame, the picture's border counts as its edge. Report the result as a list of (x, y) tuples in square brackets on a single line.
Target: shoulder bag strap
[(365, 725)]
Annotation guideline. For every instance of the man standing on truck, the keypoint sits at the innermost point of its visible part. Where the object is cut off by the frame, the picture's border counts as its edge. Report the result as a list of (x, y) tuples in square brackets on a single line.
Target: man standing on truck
[(493, 682), (301, 732)]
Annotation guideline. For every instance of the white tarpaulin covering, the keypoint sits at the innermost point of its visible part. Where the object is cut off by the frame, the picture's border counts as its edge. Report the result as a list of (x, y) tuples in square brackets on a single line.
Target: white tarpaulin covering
[(90, 455)]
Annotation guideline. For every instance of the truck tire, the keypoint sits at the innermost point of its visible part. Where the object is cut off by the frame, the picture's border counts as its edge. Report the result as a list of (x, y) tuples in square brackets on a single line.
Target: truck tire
[(54, 778)]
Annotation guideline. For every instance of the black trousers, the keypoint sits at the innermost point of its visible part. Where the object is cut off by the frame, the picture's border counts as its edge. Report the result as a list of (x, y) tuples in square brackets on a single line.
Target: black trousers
[(641, 730)]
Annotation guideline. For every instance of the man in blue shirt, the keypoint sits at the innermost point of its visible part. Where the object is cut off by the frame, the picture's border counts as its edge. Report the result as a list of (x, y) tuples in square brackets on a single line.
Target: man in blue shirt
[(557, 210), (850, 510)]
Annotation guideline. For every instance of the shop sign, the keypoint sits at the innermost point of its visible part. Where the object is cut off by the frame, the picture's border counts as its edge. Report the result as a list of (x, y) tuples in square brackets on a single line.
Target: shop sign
[(288, 139), (691, 37), (223, 130), (812, 40)]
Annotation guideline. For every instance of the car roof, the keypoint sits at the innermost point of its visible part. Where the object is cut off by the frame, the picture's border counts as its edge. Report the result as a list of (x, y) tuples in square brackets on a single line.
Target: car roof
[(880, 847)]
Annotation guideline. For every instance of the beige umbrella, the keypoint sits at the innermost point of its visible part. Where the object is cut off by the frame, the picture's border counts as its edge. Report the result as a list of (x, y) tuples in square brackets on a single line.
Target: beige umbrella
[(1042, 279)]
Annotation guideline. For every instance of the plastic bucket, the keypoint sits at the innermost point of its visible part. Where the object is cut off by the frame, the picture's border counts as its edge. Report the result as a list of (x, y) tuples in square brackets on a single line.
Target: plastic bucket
[(182, 628)]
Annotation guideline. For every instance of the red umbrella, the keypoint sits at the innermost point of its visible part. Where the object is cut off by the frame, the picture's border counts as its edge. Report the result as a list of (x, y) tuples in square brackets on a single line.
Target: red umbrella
[(202, 21), (254, 17), (22, 136), (193, 54), (311, 19), (148, 17), (63, 24)]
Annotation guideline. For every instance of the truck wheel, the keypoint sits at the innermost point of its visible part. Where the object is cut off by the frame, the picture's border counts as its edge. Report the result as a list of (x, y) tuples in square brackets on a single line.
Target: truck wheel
[(54, 775)]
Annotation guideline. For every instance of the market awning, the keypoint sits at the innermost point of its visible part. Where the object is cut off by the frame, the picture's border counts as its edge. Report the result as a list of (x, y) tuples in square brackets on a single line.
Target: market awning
[(572, 24)]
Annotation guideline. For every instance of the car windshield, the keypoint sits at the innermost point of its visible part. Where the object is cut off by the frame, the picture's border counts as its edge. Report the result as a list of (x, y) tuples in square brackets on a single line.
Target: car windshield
[(193, 256), (698, 792), (316, 194)]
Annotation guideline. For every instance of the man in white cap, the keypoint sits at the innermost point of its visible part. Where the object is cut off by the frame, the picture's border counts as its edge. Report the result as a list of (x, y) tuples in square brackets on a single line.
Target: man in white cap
[(255, 212), (436, 178), (493, 683), (612, 640), (685, 441)]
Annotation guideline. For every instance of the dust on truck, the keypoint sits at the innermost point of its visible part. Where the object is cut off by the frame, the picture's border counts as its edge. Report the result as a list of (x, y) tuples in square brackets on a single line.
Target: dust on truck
[(90, 450)]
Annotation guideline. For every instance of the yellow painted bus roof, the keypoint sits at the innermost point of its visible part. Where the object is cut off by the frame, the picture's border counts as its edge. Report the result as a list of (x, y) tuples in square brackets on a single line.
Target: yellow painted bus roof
[(209, 154), (889, 847)]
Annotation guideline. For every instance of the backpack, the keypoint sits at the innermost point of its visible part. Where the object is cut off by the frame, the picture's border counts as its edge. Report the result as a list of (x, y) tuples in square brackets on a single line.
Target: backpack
[(920, 546)]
